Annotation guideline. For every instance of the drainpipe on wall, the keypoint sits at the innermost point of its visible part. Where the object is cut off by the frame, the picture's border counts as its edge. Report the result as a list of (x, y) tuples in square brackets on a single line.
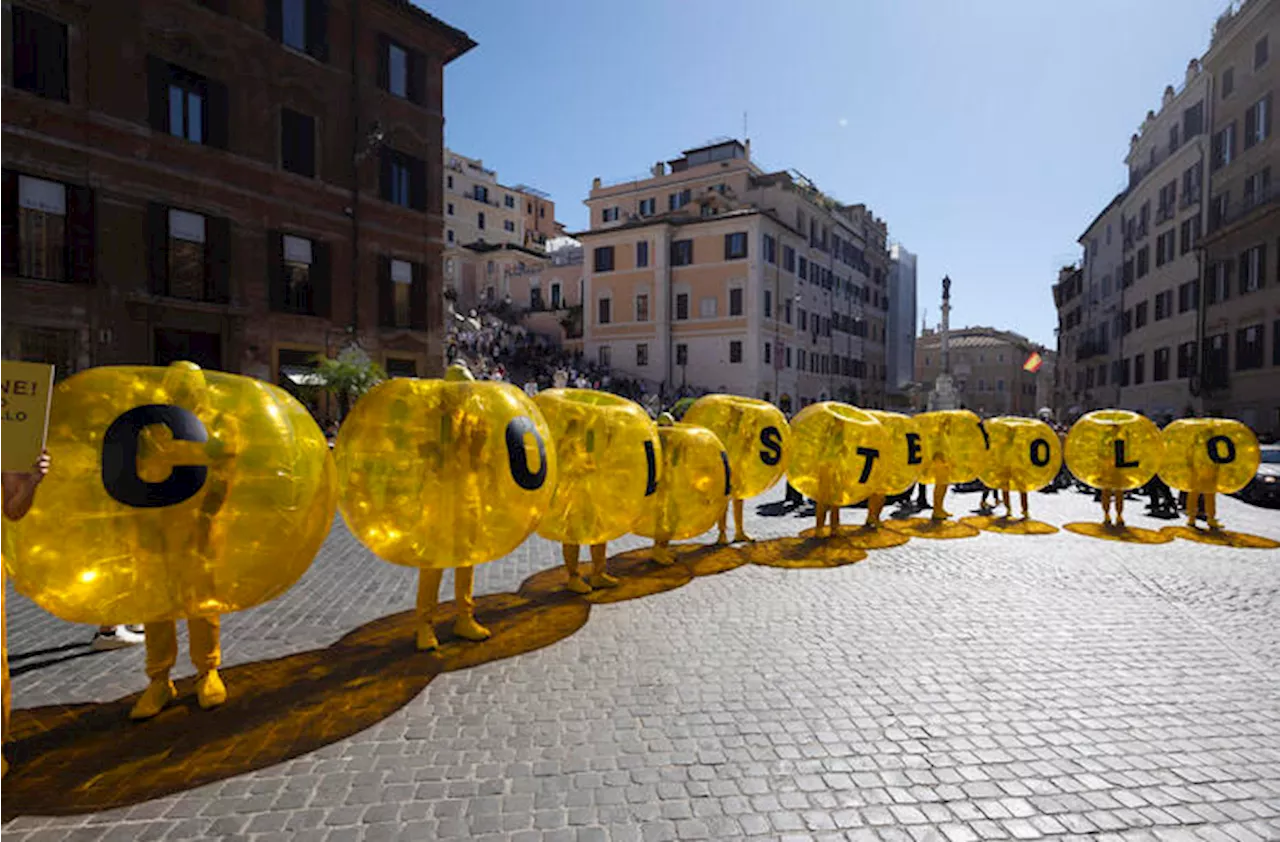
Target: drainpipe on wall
[(354, 328)]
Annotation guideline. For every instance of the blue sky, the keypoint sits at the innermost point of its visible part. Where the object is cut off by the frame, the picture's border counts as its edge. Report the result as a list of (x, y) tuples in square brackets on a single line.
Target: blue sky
[(987, 133)]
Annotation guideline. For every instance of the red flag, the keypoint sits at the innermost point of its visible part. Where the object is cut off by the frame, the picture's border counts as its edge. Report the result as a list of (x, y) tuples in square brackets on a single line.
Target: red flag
[(1033, 362)]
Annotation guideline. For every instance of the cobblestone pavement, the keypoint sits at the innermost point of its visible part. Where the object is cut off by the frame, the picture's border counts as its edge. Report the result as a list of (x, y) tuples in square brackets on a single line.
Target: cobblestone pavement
[(993, 687)]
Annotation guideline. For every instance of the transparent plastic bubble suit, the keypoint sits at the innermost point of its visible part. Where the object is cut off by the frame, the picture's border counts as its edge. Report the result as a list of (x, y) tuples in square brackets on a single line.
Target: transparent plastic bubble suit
[(694, 489), (909, 451), (839, 453), (1209, 455), (175, 492), (957, 444), (754, 433), (1025, 454), (1114, 449)]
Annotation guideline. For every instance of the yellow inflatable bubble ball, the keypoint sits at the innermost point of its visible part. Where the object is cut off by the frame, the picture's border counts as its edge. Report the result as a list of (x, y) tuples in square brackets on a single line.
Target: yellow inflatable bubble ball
[(1114, 449), (607, 454), (754, 433), (175, 492), (444, 473), (1025, 454), (839, 453), (908, 453), (695, 485), (1209, 455), (958, 444)]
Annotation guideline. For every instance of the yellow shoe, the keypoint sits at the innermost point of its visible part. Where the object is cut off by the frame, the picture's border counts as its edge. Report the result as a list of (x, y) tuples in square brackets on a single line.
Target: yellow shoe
[(942, 515), (1191, 523), (1214, 523), (210, 691), (578, 585), (663, 556), (722, 538), (603, 580), (426, 638), (742, 538), (1119, 523), (158, 694), (467, 628)]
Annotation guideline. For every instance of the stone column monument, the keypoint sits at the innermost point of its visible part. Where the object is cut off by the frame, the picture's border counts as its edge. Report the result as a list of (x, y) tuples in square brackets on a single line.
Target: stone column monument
[(943, 395)]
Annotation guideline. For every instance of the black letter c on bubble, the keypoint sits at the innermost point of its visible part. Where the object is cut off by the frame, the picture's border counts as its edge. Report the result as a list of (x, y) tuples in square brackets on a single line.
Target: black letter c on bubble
[(120, 458)]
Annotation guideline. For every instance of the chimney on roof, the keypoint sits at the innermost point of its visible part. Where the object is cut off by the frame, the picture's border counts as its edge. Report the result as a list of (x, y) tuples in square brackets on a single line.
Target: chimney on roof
[(658, 169), (1193, 69), (596, 183), (747, 146)]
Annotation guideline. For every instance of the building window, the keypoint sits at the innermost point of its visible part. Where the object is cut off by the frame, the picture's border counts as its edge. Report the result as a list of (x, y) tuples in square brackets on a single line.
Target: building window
[(786, 310), (735, 246), (1261, 52), (404, 180), (609, 214), (735, 301), (1219, 282), (1253, 267), (676, 201), (1228, 81), (508, 225), (642, 354), (449, 235), (1190, 234), (448, 208), (770, 249), (1223, 147), (804, 268), (508, 200), (768, 304), (293, 31), (297, 291), (1139, 369), (401, 293), (555, 296), (186, 263), (42, 229), (1215, 360), (605, 355), (604, 259), (642, 307), (1188, 296), (1192, 177), (1144, 259), (1257, 187), (297, 143), (398, 70), (604, 311), (1257, 122), (789, 258), (1219, 208), (648, 207), (39, 54), (1140, 315), (707, 308), (480, 220), (735, 351), (1165, 244), (768, 352), (1186, 360), (682, 354), (1249, 348), (187, 109), (642, 253), (1160, 365), (682, 306), (681, 252)]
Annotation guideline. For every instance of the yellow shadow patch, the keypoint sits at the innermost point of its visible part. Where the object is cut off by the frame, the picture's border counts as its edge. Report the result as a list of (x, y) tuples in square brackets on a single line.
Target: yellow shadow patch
[(863, 537), (923, 527), (1127, 534), (802, 553), (1010, 526), (1222, 538)]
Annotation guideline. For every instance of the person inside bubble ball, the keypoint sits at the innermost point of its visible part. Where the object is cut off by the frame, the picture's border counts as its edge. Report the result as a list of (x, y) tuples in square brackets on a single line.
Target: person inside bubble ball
[(187, 389), (467, 436), (19, 495), (575, 453)]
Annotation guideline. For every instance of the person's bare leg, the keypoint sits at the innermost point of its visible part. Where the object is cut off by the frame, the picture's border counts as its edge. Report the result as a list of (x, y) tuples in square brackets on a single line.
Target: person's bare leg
[(1104, 496), (723, 536), (1026, 508), (1119, 497), (600, 577), (569, 552), (428, 598), (739, 520), (662, 552), (835, 520), (1006, 497), (465, 625), (939, 497), (820, 517), (1211, 510), (874, 507), (1193, 506)]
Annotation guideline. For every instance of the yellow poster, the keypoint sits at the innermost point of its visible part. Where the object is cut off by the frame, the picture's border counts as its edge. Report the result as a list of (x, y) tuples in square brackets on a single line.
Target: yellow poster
[(28, 393)]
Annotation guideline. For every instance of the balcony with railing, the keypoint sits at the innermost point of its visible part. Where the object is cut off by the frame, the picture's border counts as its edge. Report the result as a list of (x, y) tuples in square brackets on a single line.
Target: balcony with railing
[(1092, 348), (1237, 211)]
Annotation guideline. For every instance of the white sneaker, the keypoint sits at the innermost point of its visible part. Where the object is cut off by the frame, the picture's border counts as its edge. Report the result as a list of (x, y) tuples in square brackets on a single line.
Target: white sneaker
[(118, 638)]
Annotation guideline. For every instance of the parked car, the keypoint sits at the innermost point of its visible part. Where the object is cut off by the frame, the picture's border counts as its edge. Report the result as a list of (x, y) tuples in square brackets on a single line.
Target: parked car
[(1264, 488)]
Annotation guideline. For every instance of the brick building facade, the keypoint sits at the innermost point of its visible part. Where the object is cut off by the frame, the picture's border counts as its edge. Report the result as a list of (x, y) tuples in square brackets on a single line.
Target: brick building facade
[(225, 181)]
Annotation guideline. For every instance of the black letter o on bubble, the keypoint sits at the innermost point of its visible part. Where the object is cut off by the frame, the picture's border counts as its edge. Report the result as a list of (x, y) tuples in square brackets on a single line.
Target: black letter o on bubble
[(1221, 457), (1040, 453), (120, 458), (517, 429)]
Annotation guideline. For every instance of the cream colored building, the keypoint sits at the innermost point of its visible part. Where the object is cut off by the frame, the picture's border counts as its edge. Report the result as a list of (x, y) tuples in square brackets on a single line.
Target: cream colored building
[(1162, 213), (1240, 333), (987, 368), (711, 273), (489, 229)]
